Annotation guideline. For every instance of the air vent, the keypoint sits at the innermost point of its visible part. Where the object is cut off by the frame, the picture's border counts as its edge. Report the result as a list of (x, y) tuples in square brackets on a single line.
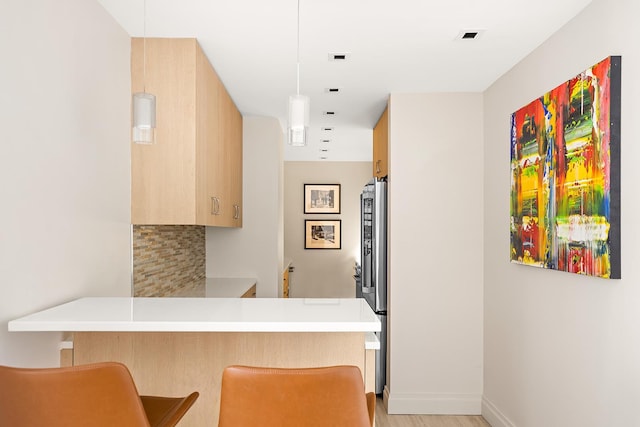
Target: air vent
[(329, 113), (325, 141), (326, 129), (469, 34), (339, 56), (332, 90), (324, 150), (323, 157)]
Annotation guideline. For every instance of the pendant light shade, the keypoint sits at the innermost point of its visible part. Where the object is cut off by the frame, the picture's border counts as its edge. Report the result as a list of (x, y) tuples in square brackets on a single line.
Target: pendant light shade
[(298, 106), (144, 118), (298, 120)]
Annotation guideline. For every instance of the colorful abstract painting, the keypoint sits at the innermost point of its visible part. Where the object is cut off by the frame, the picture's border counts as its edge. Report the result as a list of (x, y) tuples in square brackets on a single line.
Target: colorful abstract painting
[(565, 175)]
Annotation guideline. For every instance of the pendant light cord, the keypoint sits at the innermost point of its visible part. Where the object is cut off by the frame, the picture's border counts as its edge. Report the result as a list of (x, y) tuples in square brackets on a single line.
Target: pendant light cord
[(144, 46), (297, 53)]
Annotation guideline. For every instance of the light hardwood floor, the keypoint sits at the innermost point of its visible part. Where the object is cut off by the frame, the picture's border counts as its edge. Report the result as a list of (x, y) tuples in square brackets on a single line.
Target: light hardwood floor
[(384, 420)]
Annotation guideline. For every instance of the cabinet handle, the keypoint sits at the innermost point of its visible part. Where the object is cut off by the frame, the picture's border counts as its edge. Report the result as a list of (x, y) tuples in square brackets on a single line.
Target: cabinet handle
[(237, 210), (215, 205), (378, 166)]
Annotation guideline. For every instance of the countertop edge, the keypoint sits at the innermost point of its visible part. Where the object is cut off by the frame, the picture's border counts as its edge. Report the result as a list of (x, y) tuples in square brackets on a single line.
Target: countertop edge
[(192, 327), (113, 314)]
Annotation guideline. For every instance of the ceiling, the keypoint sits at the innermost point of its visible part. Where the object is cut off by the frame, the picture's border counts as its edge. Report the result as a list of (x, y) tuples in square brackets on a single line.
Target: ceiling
[(393, 46)]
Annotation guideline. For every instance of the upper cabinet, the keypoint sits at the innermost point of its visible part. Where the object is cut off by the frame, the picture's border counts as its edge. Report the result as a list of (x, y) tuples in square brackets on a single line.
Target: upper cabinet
[(193, 173), (381, 146)]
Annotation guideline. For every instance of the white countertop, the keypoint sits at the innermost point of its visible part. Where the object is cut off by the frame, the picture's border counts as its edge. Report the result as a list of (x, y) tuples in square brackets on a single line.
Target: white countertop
[(114, 314), (223, 287), (371, 341)]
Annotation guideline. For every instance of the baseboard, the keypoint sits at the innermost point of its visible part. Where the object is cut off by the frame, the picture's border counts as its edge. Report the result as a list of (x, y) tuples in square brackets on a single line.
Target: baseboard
[(385, 398), (493, 415), (433, 403)]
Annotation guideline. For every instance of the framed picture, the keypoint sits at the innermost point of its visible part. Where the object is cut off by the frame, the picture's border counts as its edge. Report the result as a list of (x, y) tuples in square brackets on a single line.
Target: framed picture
[(322, 198), (322, 234)]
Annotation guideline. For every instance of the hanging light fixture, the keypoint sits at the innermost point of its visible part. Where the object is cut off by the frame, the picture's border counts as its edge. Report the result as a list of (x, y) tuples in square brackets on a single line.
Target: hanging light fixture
[(298, 106), (143, 103)]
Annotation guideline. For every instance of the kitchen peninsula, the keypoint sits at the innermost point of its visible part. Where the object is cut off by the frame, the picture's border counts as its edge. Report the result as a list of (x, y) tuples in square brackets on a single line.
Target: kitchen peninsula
[(174, 346)]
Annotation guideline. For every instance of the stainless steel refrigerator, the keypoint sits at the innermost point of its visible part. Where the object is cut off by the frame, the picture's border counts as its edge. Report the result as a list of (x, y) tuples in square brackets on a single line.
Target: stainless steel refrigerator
[(373, 257)]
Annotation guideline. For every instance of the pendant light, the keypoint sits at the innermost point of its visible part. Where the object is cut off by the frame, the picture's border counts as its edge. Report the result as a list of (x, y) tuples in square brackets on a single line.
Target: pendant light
[(298, 106), (143, 103)]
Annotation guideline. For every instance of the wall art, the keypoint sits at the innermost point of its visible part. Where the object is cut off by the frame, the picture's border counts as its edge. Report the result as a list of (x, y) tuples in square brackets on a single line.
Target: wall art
[(322, 198), (322, 234), (565, 175)]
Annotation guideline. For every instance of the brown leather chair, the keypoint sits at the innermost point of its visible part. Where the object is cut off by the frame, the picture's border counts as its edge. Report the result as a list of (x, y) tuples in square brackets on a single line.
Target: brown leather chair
[(265, 397), (98, 395)]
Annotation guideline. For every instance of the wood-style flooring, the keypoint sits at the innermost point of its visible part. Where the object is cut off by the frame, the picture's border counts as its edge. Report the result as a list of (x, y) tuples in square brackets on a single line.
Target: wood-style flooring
[(384, 420)]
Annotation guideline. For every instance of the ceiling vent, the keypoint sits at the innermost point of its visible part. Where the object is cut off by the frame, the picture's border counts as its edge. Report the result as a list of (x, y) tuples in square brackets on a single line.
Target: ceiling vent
[(339, 56), (469, 34)]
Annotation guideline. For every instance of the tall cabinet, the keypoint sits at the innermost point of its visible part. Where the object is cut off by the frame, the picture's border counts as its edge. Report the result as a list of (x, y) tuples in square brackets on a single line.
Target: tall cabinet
[(193, 173), (381, 146)]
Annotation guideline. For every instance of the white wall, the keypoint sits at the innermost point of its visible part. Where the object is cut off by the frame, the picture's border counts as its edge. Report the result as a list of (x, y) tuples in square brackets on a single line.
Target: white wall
[(323, 273), (64, 164), (560, 349), (436, 257), (255, 250)]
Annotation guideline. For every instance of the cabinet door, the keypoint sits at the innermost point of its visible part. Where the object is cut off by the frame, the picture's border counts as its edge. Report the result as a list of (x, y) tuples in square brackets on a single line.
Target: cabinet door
[(236, 166), (381, 146), (285, 283), (209, 152), (163, 185), (251, 292), (225, 125)]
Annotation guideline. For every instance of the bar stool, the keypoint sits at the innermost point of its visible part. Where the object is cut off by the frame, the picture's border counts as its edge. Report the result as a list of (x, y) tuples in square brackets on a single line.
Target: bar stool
[(279, 397), (97, 395)]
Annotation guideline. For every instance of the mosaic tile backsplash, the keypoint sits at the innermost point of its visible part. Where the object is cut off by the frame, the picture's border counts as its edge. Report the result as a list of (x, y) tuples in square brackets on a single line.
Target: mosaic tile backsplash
[(168, 260)]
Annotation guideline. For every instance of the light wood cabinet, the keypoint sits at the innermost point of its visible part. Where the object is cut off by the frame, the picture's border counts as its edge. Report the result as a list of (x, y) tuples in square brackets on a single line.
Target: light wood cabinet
[(285, 283), (186, 176), (381, 146), (164, 362), (251, 292)]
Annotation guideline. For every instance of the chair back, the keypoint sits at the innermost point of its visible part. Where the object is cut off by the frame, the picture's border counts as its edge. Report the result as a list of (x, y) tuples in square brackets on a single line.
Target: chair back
[(99, 395), (269, 397)]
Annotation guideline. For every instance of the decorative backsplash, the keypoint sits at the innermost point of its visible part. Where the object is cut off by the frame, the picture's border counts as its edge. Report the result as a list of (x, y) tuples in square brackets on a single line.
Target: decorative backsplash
[(168, 260)]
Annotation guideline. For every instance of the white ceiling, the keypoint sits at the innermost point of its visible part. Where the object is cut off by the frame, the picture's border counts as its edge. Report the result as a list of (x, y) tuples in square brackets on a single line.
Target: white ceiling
[(395, 46)]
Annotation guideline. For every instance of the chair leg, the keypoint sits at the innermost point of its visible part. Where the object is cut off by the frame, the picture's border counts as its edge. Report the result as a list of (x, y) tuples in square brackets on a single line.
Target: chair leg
[(167, 411), (371, 406)]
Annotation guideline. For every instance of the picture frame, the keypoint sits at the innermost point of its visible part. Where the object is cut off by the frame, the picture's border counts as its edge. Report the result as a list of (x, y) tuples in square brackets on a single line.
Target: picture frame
[(323, 234), (321, 198)]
